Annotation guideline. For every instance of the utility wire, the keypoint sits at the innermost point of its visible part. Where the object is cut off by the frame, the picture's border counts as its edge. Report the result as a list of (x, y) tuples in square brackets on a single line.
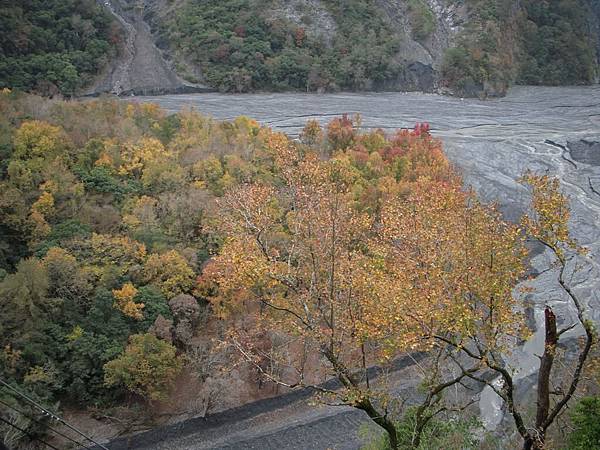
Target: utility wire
[(51, 414), (44, 425), (27, 434)]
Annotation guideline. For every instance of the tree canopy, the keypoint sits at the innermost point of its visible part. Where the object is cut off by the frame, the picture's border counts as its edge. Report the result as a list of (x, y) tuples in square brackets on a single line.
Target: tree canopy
[(54, 46)]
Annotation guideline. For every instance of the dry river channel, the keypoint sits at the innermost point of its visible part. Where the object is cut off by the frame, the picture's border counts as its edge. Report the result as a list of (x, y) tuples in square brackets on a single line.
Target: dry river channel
[(551, 130)]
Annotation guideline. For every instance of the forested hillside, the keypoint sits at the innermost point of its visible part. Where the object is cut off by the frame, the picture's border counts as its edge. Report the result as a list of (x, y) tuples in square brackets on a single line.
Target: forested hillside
[(243, 45), (54, 46), (471, 47), (465, 47), (560, 45), (146, 257), (547, 43)]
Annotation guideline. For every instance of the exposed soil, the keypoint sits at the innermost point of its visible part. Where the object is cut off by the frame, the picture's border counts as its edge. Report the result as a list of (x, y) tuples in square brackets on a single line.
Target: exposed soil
[(140, 68)]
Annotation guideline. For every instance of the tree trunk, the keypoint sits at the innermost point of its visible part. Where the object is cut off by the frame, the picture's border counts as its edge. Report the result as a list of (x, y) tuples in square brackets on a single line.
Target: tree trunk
[(380, 420), (416, 441), (349, 382), (543, 394)]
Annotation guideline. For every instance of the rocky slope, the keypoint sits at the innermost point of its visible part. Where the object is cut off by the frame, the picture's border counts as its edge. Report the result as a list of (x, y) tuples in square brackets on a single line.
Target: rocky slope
[(420, 55), (140, 68)]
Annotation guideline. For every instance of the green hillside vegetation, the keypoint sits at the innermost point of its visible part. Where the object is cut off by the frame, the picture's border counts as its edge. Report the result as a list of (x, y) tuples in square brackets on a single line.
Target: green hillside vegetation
[(557, 45), (55, 46), (102, 226), (502, 42), (423, 20), (240, 48), (540, 43), (51, 46)]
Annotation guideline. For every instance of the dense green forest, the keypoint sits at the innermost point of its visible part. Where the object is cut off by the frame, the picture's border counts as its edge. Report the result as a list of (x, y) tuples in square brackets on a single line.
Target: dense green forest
[(558, 47), (538, 42), (251, 45), (54, 46), (240, 49)]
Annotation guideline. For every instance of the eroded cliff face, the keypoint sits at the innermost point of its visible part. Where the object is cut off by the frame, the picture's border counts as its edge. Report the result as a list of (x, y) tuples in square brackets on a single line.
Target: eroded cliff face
[(141, 68), (422, 51)]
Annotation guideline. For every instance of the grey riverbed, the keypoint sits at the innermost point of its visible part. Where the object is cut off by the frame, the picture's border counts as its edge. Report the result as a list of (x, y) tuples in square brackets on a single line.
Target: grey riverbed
[(552, 130)]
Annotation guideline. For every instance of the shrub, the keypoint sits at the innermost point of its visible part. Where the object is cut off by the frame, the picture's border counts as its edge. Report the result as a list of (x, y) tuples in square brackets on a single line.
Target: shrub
[(439, 433), (147, 367), (586, 421), (422, 19)]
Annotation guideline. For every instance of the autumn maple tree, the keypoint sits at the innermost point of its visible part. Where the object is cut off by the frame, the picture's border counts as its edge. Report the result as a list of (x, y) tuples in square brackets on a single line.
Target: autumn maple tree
[(326, 278)]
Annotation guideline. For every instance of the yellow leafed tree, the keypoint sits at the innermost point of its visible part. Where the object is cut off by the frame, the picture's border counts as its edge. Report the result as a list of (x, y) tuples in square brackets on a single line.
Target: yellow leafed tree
[(357, 288), (124, 301), (170, 272)]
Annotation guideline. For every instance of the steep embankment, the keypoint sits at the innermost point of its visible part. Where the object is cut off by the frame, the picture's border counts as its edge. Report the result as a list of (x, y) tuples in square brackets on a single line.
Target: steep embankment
[(140, 68), (427, 28)]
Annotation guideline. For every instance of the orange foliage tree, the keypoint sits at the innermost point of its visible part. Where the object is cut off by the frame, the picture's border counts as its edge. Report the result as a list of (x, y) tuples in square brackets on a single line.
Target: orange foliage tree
[(496, 327), (124, 301), (354, 286)]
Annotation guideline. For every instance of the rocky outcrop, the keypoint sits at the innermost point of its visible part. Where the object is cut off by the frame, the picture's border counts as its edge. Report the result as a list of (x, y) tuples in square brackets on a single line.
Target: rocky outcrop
[(584, 151), (322, 24), (421, 58), (427, 50), (416, 76), (140, 68)]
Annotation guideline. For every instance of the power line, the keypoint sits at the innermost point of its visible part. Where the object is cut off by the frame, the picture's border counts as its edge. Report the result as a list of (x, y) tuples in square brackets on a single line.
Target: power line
[(44, 425), (51, 414), (27, 434)]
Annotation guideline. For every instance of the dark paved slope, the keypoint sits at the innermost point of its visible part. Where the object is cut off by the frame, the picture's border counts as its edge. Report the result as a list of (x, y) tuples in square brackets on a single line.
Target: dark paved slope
[(269, 423), (339, 432)]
